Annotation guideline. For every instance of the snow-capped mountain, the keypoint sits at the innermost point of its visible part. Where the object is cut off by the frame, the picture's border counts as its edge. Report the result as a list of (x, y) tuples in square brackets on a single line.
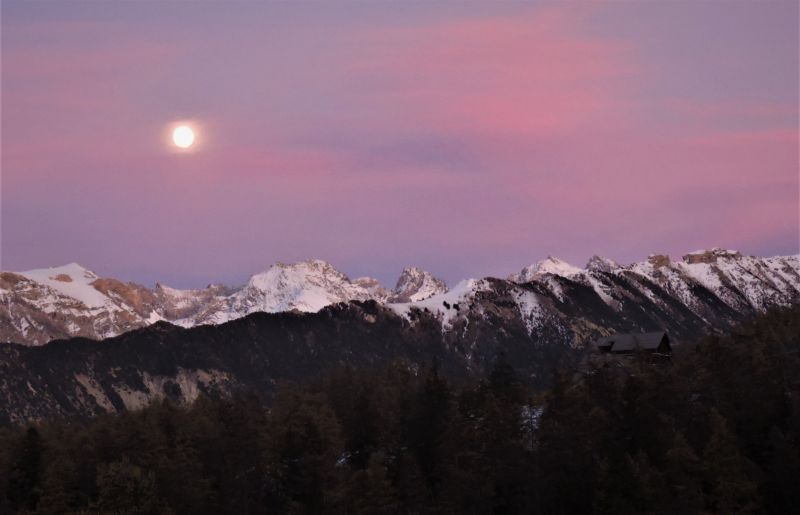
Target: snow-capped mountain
[(40, 305), (717, 285), (307, 286), (601, 264), (415, 285), (550, 265), (706, 289)]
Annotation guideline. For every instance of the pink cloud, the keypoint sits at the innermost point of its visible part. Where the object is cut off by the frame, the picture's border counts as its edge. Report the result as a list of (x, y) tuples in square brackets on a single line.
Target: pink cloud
[(556, 116), (65, 102), (727, 110), (530, 76), (468, 141)]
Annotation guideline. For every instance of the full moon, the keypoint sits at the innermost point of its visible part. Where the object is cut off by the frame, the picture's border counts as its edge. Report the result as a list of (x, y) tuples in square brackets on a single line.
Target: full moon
[(183, 136)]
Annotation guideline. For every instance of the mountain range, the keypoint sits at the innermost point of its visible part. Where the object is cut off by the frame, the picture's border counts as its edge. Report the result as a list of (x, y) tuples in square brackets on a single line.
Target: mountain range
[(708, 288), (295, 322), (61, 302)]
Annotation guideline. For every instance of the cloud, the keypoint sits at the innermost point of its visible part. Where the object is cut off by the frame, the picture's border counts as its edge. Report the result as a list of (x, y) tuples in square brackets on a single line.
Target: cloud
[(525, 77), (467, 141)]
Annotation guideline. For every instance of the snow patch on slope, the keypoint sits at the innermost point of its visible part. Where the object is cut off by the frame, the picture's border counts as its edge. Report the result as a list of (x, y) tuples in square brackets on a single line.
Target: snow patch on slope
[(530, 310), (73, 281), (458, 299)]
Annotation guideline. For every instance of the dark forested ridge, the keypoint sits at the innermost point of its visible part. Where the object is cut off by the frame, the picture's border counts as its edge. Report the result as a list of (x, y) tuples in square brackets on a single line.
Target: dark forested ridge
[(714, 430), (85, 377)]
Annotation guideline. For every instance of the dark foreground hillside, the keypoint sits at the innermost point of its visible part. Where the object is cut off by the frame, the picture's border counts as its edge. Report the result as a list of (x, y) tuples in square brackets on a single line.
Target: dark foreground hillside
[(716, 430), (84, 378)]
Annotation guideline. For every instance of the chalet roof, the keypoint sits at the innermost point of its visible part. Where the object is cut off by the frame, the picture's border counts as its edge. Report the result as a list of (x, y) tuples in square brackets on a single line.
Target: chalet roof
[(605, 342), (632, 341)]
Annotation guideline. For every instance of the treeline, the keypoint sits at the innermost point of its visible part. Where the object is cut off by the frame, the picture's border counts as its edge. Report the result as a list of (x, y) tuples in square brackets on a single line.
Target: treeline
[(714, 430)]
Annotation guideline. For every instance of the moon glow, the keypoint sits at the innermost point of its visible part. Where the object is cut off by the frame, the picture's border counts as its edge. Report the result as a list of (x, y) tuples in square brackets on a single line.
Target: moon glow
[(183, 136)]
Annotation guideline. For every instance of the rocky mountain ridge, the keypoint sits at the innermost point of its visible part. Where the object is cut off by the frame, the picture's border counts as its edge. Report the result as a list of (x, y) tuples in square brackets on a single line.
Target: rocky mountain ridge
[(718, 286), (61, 302)]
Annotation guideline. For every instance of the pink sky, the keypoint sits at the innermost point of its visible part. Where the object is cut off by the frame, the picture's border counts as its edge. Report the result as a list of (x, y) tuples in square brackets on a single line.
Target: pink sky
[(470, 139)]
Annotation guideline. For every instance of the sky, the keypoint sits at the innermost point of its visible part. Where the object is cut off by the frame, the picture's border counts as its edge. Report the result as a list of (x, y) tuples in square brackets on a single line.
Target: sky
[(470, 139)]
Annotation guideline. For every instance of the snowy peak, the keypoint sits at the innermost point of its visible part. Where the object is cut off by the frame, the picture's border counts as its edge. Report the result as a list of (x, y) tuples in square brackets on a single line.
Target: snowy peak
[(745, 284), (415, 284), (70, 280), (71, 300), (69, 272), (305, 286), (551, 265), (313, 271), (601, 264)]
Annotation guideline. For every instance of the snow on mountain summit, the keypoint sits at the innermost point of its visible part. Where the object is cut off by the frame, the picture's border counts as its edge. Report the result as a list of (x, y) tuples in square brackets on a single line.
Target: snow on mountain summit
[(744, 283), (70, 300), (551, 265), (415, 284), (601, 264), (305, 286), (71, 280)]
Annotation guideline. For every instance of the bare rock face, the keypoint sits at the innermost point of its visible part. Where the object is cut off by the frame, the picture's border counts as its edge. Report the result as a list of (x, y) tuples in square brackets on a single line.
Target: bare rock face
[(658, 260), (710, 256), (141, 300)]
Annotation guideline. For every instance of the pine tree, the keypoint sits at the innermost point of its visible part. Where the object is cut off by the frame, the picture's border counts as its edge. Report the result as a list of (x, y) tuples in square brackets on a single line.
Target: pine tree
[(375, 495), (243, 480), (305, 444), (503, 381), (781, 492), (428, 428), (683, 477), (60, 484), (24, 487), (731, 491), (125, 488)]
